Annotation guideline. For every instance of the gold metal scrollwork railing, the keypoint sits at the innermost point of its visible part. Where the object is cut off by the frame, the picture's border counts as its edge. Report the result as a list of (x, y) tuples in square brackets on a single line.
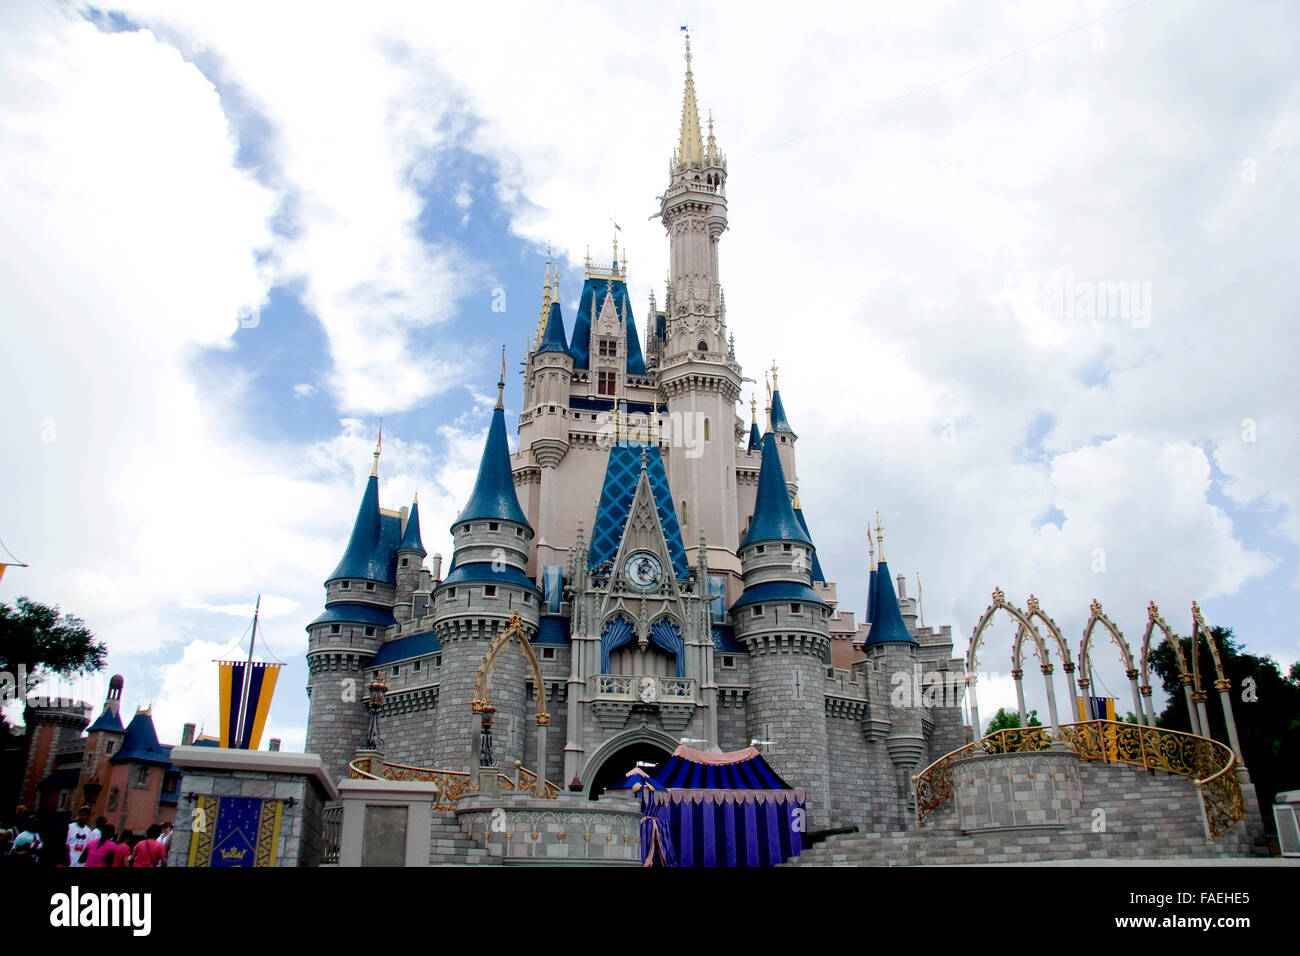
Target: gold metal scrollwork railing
[(452, 784), (1211, 765)]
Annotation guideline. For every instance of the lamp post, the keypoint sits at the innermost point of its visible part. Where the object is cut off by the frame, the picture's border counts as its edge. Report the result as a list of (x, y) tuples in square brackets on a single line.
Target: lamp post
[(375, 703)]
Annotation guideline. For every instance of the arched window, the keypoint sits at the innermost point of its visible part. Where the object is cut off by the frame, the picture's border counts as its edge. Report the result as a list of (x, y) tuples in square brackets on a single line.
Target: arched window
[(703, 346)]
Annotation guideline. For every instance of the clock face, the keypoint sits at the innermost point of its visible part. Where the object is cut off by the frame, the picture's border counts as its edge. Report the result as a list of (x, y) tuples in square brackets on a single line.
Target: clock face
[(643, 570)]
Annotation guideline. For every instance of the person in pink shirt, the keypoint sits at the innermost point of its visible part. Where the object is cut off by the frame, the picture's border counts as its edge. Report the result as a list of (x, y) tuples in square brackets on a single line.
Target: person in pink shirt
[(149, 852), (103, 850)]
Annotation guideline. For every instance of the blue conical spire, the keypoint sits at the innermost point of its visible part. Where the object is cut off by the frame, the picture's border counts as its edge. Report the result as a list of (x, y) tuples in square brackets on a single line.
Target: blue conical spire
[(411, 538), (887, 624), (774, 518), (871, 596), (358, 558), (554, 339), (780, 423), (494, 492)]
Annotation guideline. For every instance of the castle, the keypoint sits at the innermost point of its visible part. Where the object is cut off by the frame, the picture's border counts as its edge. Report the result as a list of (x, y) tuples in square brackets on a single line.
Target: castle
[(653, 544)]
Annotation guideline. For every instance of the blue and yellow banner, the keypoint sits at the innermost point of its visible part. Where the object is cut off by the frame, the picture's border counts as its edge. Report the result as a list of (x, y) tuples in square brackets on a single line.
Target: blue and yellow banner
[(246, 690), (235, 831)]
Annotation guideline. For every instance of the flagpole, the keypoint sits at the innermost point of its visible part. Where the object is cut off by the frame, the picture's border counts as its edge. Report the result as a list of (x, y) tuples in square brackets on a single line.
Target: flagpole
[(248, 676)]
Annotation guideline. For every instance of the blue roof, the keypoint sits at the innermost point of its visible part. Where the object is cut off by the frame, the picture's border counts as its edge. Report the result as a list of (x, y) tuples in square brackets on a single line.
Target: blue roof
[(724, 639), (362, 558), (780, 423), (356, 614), (494, 491), (755, 439), (411, 540), (774, 518), (682, 773), (553, 340), (778, 591), (622, 473), (594, 292), (488, 572), (109, 721), (405, 648), (554, 630), (871, 596), (887, 623), (817, 574), (141, 743)]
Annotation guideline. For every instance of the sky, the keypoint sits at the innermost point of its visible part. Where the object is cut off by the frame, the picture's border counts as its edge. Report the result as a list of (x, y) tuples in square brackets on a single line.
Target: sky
[(1027, 270)]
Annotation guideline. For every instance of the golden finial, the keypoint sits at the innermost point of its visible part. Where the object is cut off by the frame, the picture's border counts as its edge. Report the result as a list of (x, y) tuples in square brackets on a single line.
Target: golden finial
[(753, 409), (775, 387), (880, 537), (689, 149), (871, 547), (416, 500), (379, 444)]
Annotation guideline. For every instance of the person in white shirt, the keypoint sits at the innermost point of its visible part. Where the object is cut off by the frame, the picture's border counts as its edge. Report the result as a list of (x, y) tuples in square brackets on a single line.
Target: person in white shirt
[(78, 837)]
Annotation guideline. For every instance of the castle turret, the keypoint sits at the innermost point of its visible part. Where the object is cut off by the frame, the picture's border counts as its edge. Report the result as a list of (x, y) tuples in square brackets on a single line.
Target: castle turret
[(892, 650), (359, 598), (784, 625), (785, 436), (698, 375), (103, 741), (410, 559), (548, 433), (54, 726), (473, 604)]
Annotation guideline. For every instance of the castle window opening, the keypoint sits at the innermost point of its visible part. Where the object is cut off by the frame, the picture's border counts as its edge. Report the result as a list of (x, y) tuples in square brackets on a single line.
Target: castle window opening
[(490, 590), (548, 653), (370, 586), (142, 777), (345, 585), (334, 628)]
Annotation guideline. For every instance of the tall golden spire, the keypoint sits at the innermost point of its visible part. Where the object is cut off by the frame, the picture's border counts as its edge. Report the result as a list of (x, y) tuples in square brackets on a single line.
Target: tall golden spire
[(501, 384), (880, 536), (548, 296), (871, 547), (379, 444), (690, 149), (753, 409)]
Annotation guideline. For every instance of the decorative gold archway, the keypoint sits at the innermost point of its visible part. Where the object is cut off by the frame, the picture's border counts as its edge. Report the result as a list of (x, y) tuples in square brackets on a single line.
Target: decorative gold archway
[(482, 703), (1221, 684), (1098, 616), (1154, 620), (1000, 602), (1034, 610)]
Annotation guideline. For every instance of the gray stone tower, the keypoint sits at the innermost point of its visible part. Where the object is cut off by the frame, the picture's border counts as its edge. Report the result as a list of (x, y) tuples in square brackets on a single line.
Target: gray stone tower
[(783, 624), (486, 585), (359, 598), (892, 650)]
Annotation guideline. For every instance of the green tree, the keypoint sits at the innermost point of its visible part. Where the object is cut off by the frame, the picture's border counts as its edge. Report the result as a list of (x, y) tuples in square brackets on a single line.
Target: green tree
[(37, 641), (1005, 719), (1265, 704)]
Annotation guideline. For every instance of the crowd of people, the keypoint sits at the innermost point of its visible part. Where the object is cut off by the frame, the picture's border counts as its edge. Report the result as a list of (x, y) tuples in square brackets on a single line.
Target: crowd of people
[(21, 843)]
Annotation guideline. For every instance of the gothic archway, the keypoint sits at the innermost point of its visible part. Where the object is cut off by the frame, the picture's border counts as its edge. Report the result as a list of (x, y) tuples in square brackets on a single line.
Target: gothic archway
[(1000, 602), (1034, 610), (1098, 616), (482, 703), (607, 763), (1154, 620)]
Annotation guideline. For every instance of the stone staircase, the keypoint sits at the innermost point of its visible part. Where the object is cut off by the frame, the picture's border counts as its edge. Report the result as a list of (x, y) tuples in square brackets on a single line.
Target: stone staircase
[(450, 846), (1149, 815)]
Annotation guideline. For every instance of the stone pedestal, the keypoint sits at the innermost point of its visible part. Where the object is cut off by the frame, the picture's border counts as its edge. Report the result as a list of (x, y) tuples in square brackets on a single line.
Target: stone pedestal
[(1031, 790), (386, 822), (297, 782)]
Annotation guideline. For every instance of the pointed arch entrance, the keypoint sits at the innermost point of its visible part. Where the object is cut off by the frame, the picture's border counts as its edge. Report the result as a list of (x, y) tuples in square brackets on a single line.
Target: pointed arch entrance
[(616, 757)]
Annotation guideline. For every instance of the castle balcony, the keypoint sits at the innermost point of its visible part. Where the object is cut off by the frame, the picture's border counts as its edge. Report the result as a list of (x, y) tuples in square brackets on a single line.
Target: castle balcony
[(644, 689)]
